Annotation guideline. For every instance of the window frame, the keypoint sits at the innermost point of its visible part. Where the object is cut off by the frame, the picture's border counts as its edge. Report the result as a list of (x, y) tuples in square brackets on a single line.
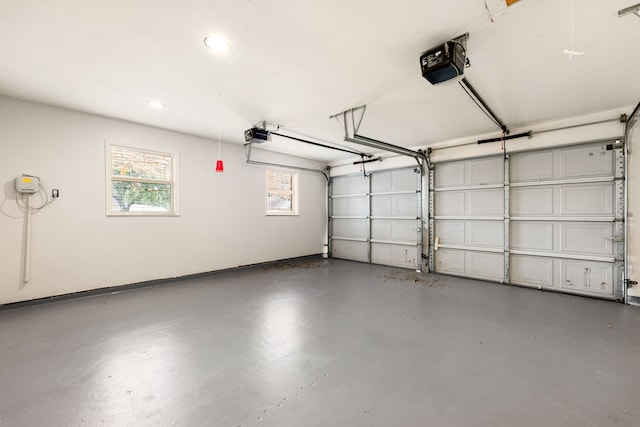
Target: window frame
[(295, 194), (109, 177)]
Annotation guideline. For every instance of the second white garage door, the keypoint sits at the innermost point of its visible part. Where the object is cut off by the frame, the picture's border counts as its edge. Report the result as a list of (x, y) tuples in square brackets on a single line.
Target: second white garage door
[(377, 218)]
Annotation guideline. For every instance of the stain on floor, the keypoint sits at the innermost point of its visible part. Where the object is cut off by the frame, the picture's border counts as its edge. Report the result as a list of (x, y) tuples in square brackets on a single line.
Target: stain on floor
[(414, 277)]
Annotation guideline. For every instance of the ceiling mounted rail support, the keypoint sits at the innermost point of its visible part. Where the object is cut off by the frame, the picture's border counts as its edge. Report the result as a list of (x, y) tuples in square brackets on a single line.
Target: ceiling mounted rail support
[(635, 9), (352, 118), (351, 113), (247, 152), (480, 102)]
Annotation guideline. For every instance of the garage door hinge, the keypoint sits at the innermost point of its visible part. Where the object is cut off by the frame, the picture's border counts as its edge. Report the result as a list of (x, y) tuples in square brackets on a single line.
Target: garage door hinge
[(630, 282)]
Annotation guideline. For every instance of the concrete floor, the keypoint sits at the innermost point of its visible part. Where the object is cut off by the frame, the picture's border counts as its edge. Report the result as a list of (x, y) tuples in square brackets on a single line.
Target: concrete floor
[(322, 343)]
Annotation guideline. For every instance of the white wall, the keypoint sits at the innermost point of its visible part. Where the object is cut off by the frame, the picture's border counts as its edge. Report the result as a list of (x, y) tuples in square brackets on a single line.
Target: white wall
[(76, 247)]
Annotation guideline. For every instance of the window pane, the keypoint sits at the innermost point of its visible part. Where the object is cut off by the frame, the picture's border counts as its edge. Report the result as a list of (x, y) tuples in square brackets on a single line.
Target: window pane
[(279, 202), (141, 197), (138, 164), (280, 181), (281, 192)]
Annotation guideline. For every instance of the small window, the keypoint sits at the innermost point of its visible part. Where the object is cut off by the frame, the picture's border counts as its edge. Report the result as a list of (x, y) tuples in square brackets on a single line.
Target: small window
[(282, 192), (141, 182)]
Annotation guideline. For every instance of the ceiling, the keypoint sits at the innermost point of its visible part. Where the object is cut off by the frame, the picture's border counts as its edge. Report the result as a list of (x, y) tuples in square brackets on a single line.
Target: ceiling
[(295, 63)]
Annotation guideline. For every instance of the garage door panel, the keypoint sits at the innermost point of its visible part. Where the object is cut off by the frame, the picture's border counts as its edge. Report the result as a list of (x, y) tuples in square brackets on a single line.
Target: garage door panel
[(381, 182), (566, 238), (531, 167), (450, 175), (395, 255), (450, 203), (405, 180), (586, 162), (470, 173), (587, 200), (564, 200), (381, 205), (450, 232), (450, 261), (404, 231), (489, 234), (346, 249), (407, 231), (470, 203), (479, 234), (351, 185), (486, 265), (486, 203), (351, 206), (536, 201), (532, 271), (381, 229), (586, 238), (587, 277), (405, 205), (397, 180), (351, 228), (535, 236), (339, 186), (394, 205), (486, 171)]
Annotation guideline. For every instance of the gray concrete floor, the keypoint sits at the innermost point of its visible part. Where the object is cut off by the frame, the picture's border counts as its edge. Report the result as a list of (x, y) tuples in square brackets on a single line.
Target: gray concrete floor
[(322, 343)]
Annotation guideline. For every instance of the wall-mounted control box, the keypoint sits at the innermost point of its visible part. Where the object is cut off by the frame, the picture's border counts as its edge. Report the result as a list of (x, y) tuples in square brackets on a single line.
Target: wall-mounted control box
[(27, 184)]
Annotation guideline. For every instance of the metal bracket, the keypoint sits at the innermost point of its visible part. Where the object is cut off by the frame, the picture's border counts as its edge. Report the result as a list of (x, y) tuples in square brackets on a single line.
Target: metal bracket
[(635, 9), (630, 282), (351, 113), (351, 135)]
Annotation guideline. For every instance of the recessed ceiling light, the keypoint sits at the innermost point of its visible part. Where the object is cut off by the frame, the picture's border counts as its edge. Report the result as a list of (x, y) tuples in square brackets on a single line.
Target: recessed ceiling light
[(217, 44), (156, 104)]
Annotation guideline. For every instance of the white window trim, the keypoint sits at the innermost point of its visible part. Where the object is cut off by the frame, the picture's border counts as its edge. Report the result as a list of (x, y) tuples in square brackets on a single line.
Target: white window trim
[(295, 193), (108, 185)]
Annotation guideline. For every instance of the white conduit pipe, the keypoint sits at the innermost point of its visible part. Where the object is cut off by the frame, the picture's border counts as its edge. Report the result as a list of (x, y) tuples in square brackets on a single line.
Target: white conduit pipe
[(27, 240)]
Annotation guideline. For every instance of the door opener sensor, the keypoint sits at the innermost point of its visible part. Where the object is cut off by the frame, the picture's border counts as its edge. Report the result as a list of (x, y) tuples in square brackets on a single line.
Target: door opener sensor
[(27, 184)]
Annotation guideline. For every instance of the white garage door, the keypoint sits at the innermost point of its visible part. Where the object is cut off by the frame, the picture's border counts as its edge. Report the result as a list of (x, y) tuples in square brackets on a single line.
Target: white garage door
[(377, 218), (468, 199), (555, 222)]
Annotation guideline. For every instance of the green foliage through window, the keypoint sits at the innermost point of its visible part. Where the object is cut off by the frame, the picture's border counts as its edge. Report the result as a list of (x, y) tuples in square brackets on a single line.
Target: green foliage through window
[(141, 181)]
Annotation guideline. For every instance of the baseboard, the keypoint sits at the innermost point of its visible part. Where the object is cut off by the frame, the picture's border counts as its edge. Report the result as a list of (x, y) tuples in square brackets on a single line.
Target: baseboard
[(149, 283)]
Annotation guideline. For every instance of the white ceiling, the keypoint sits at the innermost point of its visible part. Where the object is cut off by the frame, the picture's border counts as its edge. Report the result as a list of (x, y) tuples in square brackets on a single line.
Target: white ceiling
[(296, 62)]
